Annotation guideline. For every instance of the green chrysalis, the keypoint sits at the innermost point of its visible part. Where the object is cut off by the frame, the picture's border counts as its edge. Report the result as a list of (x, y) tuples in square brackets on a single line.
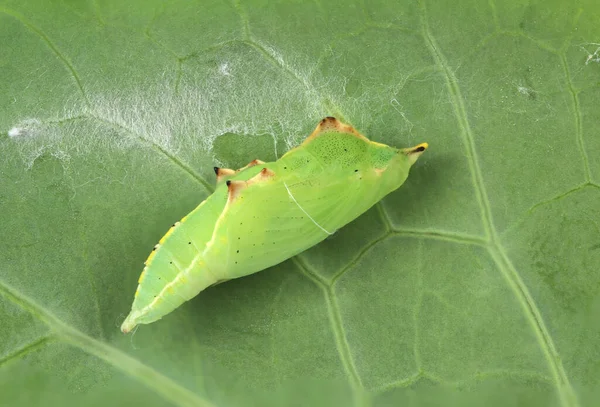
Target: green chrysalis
[(265, 213)]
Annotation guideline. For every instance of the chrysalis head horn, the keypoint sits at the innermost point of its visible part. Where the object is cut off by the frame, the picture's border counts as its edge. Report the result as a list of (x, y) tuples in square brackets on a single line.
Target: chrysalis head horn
[(415, 152)]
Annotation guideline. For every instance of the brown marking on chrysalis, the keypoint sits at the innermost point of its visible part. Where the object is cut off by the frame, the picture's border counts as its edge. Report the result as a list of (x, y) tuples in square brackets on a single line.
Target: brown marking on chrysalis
[(234, 189), (262, 176), (223, 172), (331, 124), (251, 164), (265, 172)]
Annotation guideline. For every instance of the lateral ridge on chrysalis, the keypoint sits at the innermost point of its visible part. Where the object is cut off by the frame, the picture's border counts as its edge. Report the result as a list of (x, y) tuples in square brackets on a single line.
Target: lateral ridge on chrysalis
[(266, 212)]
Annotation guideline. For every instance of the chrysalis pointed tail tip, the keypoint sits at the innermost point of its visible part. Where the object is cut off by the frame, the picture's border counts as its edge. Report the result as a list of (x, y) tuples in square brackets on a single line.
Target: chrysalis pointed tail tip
[(128, 324)]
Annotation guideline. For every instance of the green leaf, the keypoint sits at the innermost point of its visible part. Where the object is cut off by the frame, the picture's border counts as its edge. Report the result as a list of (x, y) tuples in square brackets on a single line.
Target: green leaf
[(475, 282)]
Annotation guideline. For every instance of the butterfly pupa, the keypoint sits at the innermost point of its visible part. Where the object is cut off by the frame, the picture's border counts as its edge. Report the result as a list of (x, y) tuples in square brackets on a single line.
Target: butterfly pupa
[(267, 212)]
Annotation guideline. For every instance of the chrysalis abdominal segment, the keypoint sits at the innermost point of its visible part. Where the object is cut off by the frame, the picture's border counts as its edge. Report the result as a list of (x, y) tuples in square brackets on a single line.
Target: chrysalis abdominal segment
[(302, 209), (265, 213)]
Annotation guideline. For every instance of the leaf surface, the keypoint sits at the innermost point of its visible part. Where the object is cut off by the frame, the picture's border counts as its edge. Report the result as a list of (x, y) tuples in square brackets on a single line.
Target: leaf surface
[(477, 281)]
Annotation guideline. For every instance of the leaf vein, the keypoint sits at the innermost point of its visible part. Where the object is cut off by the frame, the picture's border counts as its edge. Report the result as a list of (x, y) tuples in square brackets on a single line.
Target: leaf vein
[(273, 59), (359, 256), (29, 348), (243, 18), (563, 386), (154, 380), (578, 121), (335, 319), (440, 235), (342, 342), (157, 148), (561, 381), (65, 61)]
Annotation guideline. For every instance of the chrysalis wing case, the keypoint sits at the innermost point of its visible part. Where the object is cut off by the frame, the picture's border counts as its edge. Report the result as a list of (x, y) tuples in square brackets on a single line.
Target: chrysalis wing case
[(265, 213)]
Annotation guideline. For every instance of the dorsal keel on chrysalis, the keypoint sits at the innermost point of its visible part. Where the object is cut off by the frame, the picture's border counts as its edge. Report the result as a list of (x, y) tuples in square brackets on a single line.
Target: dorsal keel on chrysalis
[(265, 213)]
